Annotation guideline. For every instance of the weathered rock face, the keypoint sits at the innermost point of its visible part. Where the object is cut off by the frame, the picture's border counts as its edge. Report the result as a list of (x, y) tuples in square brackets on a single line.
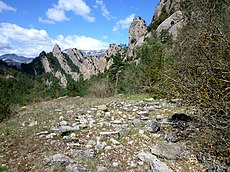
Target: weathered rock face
[(112, 50), (91, 65), (172, 24), (63, 63), (46, 64), (70, 62), (137, 31), (175, 21), (168, 6)]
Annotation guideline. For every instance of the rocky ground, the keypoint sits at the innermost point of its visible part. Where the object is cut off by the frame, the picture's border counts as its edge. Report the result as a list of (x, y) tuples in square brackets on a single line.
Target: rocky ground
[(87, 134)]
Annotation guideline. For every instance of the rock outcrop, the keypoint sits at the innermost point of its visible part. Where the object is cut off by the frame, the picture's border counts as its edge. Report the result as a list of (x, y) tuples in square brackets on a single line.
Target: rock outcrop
[(137, 32), (168, 6), (175, 19), (63, 62), (89, 66), (71, 62)]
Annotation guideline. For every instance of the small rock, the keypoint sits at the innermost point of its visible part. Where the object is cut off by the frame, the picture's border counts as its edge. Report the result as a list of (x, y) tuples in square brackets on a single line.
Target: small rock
[(91, 142), (109, 133), (115, 142), (74, 168), (88, 153), (172, 137), (63, 123), (33, 123), (149, 99), (143, 113), (107, 115), (58, 110), (108, 147), (67, 138), (115, 164), (64, 129), (102, 169), (83, 126), (100, 146), (150, 108), (136, 122), (144, 117), (117, 121), (166, 150), (102, 107), (59, 159), (135, 109), (51, 135), (155, 164), (175, 100), (42, 133), (75, 126), (158, 107), (73, 145), (152, 126), (132, 164), (73, 135), (141, 132), (61, 118)]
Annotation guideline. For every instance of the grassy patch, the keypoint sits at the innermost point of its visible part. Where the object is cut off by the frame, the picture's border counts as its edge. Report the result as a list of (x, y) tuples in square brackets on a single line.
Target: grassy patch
[(2, 168)]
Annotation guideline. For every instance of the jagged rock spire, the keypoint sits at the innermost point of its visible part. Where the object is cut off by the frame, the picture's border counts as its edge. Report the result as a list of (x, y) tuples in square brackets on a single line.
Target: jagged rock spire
[(56, 50)]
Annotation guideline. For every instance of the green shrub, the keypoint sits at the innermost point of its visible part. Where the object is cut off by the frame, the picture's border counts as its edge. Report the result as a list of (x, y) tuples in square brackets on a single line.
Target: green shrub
[(4, 109), (102, 87), (153, 26)]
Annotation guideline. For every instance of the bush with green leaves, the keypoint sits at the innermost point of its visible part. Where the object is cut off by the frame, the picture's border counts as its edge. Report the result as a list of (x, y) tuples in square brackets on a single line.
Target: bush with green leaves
[(155, 61), (153, 26)]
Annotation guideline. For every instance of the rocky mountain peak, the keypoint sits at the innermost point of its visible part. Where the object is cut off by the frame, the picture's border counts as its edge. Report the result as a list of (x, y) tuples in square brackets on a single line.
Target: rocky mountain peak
[(137, 31), (56, 50)]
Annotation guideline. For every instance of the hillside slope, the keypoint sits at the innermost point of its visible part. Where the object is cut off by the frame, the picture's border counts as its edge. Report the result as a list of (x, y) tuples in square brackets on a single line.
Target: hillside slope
[(85, 134)]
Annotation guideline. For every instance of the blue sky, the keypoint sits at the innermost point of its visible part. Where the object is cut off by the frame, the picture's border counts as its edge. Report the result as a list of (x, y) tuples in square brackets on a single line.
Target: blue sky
[(28, 27)]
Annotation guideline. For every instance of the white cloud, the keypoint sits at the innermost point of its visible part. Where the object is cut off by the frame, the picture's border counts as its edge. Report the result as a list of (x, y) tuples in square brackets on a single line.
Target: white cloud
[(22, 41), (81, 42), (124, 24), (104, 9), (5, 7), (79, 7), (57, 13), (30, 42), (41, 20), (4, 42)]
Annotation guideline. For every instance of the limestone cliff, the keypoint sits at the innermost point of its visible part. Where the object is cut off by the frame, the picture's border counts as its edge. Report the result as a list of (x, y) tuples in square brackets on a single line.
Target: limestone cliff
[(63, 62), (89, 66), (174, 20), (167, 16)]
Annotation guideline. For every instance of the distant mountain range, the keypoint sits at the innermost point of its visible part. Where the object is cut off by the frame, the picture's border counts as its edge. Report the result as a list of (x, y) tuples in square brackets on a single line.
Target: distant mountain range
[(15, 60), (91, 53)]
